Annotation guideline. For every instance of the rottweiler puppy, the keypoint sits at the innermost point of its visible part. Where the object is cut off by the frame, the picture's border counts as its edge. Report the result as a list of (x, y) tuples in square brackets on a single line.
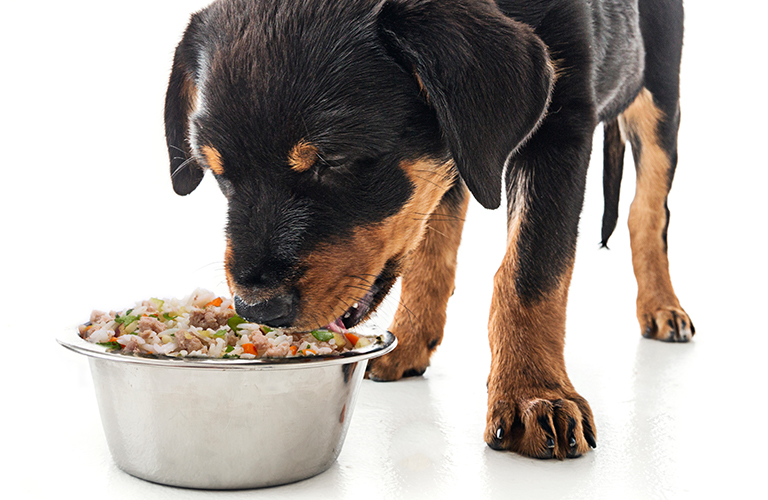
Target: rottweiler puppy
[(347, 136)]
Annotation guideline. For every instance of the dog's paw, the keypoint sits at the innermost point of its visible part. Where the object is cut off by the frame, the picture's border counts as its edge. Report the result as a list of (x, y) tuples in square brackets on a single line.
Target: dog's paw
[(548, 427), (409, 359), (668, 324)]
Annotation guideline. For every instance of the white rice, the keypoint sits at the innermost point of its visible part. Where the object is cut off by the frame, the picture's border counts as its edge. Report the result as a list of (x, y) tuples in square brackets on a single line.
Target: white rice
[(196, 327)]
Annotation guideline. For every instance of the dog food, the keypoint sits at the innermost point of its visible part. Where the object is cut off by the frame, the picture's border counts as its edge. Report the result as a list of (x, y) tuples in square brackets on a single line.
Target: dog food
[(203, 325)]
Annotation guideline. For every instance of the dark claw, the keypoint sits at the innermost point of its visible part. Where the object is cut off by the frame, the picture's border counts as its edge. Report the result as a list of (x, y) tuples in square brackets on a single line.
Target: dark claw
[(571, 430), (590, 439), (495, 443), (414, 372), (550, 443), (650, 329)]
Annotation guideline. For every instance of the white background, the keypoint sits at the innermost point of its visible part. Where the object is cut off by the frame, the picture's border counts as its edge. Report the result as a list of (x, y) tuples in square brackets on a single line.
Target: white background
[(89, 220)]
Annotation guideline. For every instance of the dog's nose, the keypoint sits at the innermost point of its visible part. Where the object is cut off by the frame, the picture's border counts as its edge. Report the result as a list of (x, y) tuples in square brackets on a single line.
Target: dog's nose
[(277, 311)]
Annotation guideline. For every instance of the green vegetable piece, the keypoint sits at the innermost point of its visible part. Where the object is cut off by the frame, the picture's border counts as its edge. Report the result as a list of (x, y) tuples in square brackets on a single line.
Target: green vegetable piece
[(111, 345), (220, 333), (322, 335), (169, 316), (265, 329), (126, 320), (234, 321), (229, 348), (157, 303)]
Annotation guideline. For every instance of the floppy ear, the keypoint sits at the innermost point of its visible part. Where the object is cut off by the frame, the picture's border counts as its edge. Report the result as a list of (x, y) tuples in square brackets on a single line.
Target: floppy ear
[(487, 77), (180, 98)]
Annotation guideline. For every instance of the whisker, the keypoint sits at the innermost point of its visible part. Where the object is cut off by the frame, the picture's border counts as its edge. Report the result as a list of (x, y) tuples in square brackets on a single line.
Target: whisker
[(448, 216), (435, 230), (432, 182), (182, 166), (361, 279)]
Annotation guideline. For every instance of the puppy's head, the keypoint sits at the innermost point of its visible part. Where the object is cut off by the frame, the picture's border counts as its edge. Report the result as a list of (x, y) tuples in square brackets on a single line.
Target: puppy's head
[(334, 128)]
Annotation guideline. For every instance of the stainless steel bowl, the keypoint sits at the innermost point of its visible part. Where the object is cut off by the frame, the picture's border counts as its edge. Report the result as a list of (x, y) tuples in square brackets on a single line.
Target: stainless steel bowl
[(226, 423)]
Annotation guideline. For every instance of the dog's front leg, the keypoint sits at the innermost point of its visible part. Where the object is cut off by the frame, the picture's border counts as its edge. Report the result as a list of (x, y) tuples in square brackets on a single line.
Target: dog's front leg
[(427, 284), (533, 409)]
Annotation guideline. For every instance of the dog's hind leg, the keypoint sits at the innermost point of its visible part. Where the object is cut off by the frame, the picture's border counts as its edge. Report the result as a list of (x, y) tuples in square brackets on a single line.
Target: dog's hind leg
[(427, 284), (651, 124), (658, 309)]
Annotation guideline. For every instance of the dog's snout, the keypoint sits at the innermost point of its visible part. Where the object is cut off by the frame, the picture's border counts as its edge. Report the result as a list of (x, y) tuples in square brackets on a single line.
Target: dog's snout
[(277, 311)]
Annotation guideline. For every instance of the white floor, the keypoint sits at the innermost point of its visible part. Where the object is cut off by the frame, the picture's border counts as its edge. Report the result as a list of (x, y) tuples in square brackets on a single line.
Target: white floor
[(89, 220)]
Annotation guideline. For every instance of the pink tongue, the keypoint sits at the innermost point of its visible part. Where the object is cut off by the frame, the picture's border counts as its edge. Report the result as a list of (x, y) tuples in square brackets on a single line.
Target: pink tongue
[(337, 326)]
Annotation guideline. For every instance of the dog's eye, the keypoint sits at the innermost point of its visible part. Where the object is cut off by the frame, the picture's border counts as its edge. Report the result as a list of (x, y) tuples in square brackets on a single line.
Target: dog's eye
[(330, 164)]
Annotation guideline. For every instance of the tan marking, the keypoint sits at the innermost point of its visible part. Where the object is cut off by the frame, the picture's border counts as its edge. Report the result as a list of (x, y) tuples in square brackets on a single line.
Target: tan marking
[(427, 284), (302, 156), (647, 216), (229, 257), (339, 272), (528, 376), (422, 88), (213, 159)]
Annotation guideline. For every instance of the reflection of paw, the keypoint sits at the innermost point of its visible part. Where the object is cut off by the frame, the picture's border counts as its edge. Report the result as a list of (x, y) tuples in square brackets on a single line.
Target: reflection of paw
[(668, 324), (408, 359), (553, 427)]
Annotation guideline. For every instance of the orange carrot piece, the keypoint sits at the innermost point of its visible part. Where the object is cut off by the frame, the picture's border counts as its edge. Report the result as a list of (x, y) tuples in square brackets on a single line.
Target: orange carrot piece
[(215, 302), (294, 349), (250, 349), (352, 338)]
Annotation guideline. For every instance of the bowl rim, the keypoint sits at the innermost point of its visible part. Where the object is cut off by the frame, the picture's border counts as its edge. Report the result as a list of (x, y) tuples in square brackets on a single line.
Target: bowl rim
[(385, 343)]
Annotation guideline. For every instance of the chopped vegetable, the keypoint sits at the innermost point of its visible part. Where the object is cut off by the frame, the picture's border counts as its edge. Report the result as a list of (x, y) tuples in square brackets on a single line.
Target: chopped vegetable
[(352, 338), (250, 349), (265, 329), (229, 348), (157, 303), (112, 344), (234, 321), (294, 349), (341, 341), (322, 335), (215, 302), (126, 320), (169, 316), (220, 333), (362, 343)]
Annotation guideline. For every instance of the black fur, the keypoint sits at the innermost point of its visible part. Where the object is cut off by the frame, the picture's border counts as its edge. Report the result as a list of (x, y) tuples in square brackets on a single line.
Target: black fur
[(613, 168), (346, 76)]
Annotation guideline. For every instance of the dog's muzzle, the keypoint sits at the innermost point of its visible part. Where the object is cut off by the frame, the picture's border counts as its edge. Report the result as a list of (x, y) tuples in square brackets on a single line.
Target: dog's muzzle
[(277, 311)]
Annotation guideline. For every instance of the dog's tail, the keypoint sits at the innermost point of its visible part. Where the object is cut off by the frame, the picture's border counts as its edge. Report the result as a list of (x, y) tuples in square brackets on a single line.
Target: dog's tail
[(613, 166)]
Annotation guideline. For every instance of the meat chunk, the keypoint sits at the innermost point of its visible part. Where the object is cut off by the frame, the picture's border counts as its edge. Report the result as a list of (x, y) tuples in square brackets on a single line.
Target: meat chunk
[(102, 317), (149, 323), (189, 342), (210, 317)]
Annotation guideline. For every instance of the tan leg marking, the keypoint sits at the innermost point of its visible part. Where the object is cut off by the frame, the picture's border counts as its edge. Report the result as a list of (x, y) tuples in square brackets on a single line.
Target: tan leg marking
[(427, 285), (533, 408), (658, 309)]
